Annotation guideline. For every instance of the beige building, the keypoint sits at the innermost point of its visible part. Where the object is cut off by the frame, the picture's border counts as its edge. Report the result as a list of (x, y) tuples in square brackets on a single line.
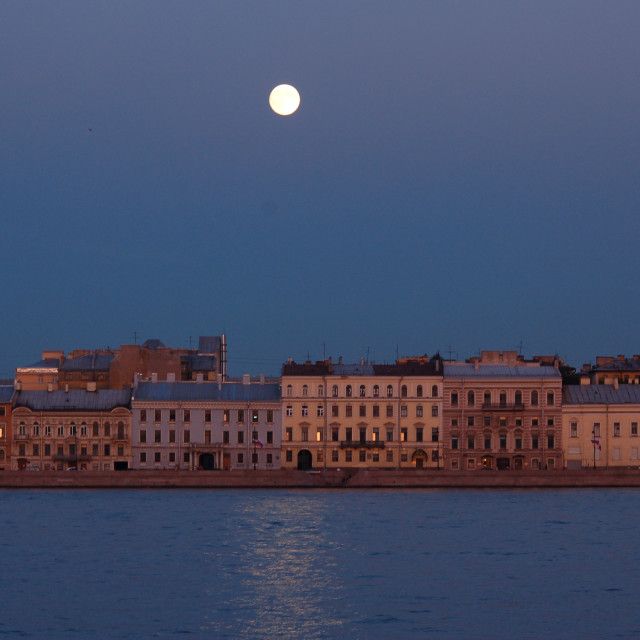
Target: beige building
[(362, 415), (600, 425), (41, 375), (502, 412), (84, 430)]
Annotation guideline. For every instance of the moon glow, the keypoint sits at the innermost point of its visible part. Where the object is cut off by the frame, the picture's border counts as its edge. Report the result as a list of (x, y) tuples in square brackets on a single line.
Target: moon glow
[(284, 99)]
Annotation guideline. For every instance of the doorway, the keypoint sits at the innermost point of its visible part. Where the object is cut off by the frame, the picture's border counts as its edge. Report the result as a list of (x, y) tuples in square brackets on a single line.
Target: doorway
[(304, 460), (207, 461)]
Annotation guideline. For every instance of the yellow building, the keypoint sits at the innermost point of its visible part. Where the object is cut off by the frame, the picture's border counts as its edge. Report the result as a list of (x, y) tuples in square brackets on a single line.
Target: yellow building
[(362, 415), (600, 425)]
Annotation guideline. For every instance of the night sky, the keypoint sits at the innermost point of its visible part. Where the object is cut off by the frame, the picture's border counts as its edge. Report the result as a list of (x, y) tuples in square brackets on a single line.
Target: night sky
[(459, 173)]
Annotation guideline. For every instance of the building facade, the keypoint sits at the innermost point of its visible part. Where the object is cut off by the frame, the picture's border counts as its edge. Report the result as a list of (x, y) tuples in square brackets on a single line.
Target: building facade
[(362, 415), (200, 425), (6, 399), (77, 429), (502, 412), (600, 425)]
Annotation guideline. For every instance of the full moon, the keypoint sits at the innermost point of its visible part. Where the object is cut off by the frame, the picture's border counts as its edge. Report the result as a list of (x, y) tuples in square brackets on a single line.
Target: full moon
[(284, 99)]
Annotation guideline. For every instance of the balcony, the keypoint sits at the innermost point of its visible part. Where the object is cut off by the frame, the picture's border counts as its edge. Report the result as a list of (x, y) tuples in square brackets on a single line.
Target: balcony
[(362, 444), (502, 406)]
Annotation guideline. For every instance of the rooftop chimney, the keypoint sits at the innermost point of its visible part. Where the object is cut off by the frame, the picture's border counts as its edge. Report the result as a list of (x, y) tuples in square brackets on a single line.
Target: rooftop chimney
[(199, 378), (616, 383), (246, 378), (262, 378), (49, 387), (171, 377), (154, 377), (91, 386)]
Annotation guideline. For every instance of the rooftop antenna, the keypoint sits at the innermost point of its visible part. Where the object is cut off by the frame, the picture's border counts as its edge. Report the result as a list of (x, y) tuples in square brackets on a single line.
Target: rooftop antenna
[(397, 356), (190, 342), (324, 351), (450, 351), (519, 345), (135, 337)]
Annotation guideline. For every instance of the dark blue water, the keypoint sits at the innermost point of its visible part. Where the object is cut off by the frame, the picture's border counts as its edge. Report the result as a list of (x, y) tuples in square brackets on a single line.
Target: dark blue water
[(320, 564)]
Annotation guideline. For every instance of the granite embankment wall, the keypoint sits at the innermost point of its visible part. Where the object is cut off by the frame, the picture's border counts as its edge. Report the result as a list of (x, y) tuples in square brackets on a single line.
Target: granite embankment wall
[(319, 479)]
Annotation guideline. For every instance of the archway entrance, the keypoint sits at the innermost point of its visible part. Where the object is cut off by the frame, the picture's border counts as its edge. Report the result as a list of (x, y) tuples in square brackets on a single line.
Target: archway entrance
[(487, 462), (504, 464), (518, 463), (207, 461), (420, 459), (304, 460)]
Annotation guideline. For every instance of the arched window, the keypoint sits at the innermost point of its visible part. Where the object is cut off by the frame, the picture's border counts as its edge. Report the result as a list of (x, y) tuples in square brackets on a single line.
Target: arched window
[(121, 435), (36, 429), (419, 391), (389, 391), (320, 390), (363, 391), (518, 397), (503, 398), (487, 398), (73, 431), (107, 430), (550, 398), (349, 392), (60, 431), (83, 429), (419, 411), (434, 390), (534, 398), (334, 391), (305, 390), (96, 428), (22, 429), (471, 398), (376, 391), (403, 390), (289, 390)]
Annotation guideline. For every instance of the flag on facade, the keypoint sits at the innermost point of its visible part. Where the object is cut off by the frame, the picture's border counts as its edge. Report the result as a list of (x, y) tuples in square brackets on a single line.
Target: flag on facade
[(596, 442), (257, 443)]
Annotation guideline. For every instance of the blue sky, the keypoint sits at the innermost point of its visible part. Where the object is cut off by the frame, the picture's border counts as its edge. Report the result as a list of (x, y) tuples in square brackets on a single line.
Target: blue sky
[(459, 173)]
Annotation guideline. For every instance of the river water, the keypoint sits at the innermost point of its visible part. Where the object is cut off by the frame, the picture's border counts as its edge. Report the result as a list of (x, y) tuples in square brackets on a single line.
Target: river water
[(320, 564)]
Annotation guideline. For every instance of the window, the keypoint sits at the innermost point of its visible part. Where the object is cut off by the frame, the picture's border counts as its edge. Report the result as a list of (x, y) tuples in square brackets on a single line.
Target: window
[(550, 398), (255, 416), (349, 434), (156, 456), (172, 415), (419, 434), (376, 391), (518, 440), (305, 410), (454, 441), (36, 429), (486, 421), (289, 411), (435, 434), (157, 437), (334, 391), (320, 390), (535, 441), (616, 429), (389, 391), (634, 429), (96, 428), (389, 456), (454, 398), (269, 437), (419, 411), (471, 398), (241, 415), (503, 398), (36, 450), (334, 455), (551, 441), (403, 411), (470, 421), (226, 415), (240, 437), (207, 415), (288, 434), (376, 434), (107, 430), (348, 411), (534, 398), (502, 422), (574, 429), (107, 449), (419, 391), (348, 390), (334, 411), (305, 434), (486, 398), (363, 391), (225, 437), (348, 455), (434, 391), (389, 434), (471, 441), (172, 435), (305, 390), (434, 411), (389, 411), (454, 422), (404, 434), (187, 436), (254, 458), (403, 390), (269, 416), (362, 412), (319, 434), (143, 457), (375, 412), (207, 436), (143, 436), (503, 440), (47, 431), (73, 431), (269, 458), (289, 390), (187, 415), (518, 397), (362, 455), (172, 456), (363, 434), (157, 415), (60, 430), (47, 449), (185, 457), (487, 441), (335, 434), (596, 429), (83, 429)]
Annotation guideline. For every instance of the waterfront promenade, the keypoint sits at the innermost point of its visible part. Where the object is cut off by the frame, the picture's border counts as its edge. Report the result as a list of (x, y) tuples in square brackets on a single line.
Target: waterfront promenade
[(333, 478)]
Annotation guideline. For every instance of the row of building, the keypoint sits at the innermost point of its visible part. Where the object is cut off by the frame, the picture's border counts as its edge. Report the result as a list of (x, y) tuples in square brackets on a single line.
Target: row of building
[(494, 411)]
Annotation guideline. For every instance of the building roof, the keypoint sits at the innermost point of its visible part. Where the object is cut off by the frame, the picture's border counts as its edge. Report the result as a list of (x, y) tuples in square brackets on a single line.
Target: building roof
[(467, 370), (206, 391), (153, 343), (89, 362), (328, 368), (6, 393), (48, 363), (73, 400), (601, 394)]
